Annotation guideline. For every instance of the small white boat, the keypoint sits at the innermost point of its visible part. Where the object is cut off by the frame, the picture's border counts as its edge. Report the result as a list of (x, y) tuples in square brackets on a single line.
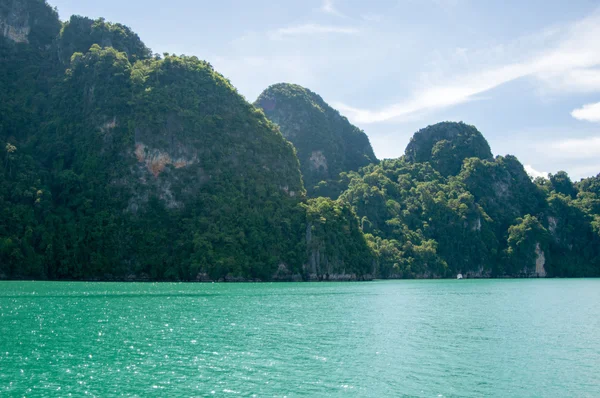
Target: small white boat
[(459, 276)]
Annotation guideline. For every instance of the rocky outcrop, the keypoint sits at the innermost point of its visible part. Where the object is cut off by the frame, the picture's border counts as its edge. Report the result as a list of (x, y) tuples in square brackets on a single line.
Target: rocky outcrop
[(480, 273), (446, 145), (318, 161), (339, 278), (17, 31), (540, 262), (284, 274), (193, 172), (29, 22), (14, 23), (552, 224), (477, 225), (156, 160), (336, 249), (326, 143)]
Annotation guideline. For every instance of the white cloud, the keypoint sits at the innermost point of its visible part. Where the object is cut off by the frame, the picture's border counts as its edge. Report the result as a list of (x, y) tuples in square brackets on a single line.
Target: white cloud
[(577, 156), (461, 90), (576, 80), (576, 148), (535, 173), (328, 7), (571, 59), (589, 112), (312, 29)]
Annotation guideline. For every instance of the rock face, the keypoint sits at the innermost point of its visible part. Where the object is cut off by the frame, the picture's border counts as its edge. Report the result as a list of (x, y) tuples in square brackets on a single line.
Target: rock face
[(140, 167), (120, 165), (178, 173), (503, 189), (445, 145), (326, 143), (28, 22), (540, 262), (336, 248), (176, 139), (14, 22), (27, 31)]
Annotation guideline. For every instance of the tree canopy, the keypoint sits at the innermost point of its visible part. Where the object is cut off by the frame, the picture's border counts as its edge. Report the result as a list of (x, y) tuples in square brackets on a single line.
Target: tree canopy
[(119, 164), (325, 141)]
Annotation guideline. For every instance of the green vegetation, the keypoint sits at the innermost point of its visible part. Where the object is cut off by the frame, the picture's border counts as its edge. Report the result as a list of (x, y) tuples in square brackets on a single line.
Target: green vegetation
[(80, 33), (119, 164), (326, 143), (135, 166), (28, 69), (487, 219), (446, 145), (335, 241)]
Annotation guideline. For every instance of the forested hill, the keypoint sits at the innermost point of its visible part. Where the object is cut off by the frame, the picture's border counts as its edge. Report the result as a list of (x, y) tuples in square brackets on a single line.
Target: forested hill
[(117, 163), (448, 207), (446, 145), (326, 143)]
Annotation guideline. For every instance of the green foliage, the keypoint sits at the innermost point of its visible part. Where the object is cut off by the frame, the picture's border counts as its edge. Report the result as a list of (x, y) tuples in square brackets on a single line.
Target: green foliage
[(526, 239), (335, 242), (446, 145), (80, 33), (561, 183), (116, 164), (488, 220), (591, 185), (326, 143), (503, 189), (433, 225), (575, 244), (41, 19), (153, 168), (28, 69)]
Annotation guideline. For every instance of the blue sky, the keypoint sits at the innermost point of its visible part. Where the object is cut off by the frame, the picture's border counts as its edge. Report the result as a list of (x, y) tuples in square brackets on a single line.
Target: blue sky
[(525, 73)]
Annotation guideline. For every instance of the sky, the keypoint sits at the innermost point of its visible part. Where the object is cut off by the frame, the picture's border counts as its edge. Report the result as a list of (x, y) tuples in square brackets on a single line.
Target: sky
[(525, 73)]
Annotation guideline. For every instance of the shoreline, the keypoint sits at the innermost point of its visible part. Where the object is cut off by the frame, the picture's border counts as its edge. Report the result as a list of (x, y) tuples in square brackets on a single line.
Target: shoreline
[(258, 281)]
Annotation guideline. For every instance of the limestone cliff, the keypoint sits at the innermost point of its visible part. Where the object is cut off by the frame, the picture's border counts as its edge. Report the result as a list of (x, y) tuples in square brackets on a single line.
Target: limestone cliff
[(540, 261), (336, 248), (28, 22), (117, 164), (14, 22), (446, 145), (27, 31), (326, 143)]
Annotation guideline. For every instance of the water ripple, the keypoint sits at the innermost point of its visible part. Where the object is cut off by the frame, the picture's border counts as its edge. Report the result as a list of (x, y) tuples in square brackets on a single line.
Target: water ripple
[(403, 338)]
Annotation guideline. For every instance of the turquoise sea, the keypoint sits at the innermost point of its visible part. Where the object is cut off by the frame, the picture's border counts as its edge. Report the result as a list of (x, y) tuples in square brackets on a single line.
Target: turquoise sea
[(469, 338)]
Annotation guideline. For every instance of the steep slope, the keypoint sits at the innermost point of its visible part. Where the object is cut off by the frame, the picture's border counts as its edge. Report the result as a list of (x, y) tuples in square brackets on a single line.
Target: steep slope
[(141, 167), (116, 164), (28, 22), (445, 145), (426, 215), (27, 31), (161, 169), (419, 223), (326, 143)]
